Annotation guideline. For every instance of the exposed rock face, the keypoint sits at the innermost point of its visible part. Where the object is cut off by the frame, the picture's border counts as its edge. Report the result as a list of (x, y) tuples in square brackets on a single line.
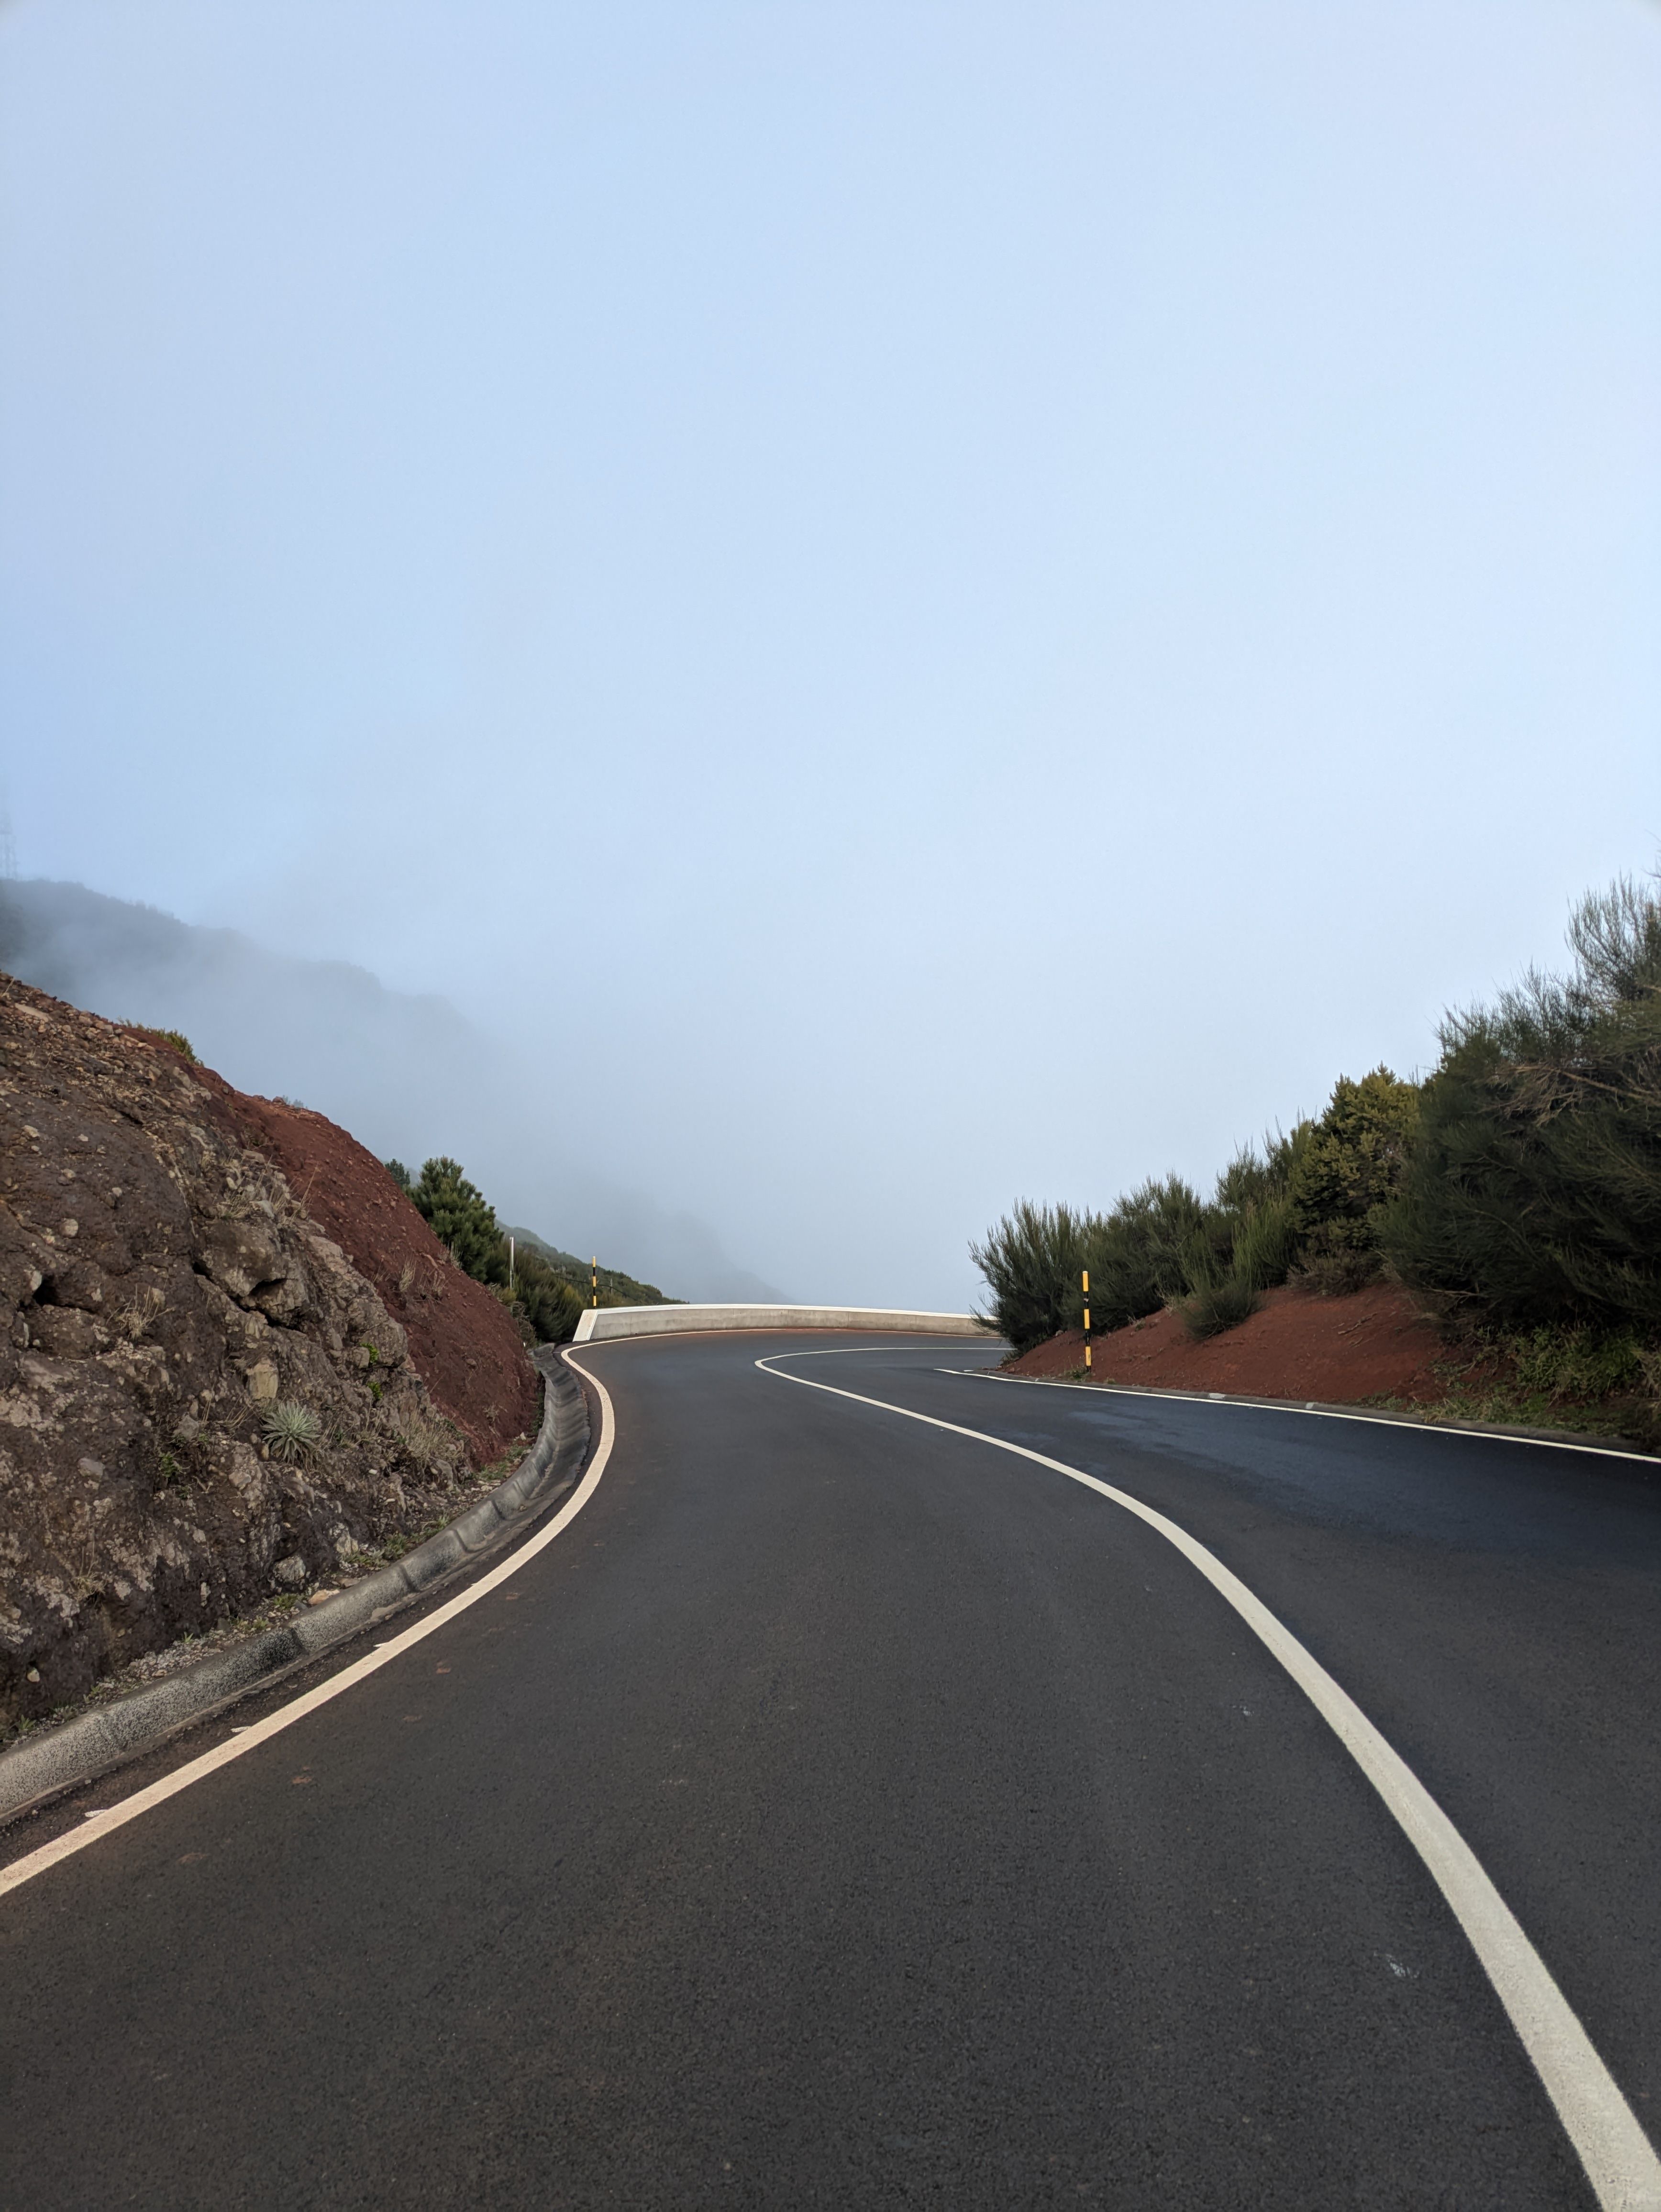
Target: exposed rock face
[(461, 1341), (164, 1301)]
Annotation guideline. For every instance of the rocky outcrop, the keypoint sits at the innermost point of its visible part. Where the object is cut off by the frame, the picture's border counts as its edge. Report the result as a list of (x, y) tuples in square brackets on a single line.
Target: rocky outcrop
[(202, 1398), (461, 1341)]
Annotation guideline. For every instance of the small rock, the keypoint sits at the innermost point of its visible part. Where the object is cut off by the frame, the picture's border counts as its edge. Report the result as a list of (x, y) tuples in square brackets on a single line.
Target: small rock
[(290, 1572), (262, 1382), (34, 1675), (69, 1228), (92, 1468), (318, 1596)]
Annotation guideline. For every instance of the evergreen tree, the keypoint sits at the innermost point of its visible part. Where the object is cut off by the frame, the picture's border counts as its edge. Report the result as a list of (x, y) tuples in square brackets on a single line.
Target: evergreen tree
[(462, 1219), (1351, 1163)]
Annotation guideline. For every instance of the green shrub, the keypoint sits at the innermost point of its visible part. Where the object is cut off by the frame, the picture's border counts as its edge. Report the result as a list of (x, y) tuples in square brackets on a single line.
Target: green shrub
[(1333, 1267), (461, 1219), (1254, 1178), (1263, 1243), (1157, 1244), (1217, 1306), (1033, 1261), (547, 1307), (1533, 1196), (1578, 1365), (1139, 1255), (1352, 1161), (181, 1043)]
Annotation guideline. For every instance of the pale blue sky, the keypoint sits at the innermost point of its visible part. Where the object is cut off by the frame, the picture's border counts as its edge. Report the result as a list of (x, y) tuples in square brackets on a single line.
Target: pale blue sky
[(932, 604)]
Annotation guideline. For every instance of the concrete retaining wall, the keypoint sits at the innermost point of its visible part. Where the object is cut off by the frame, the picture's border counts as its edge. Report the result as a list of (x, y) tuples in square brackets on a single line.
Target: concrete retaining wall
[(600, 1322)]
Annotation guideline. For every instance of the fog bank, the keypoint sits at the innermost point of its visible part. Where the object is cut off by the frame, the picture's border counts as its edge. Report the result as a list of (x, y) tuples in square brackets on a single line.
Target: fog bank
[(408, 1075)]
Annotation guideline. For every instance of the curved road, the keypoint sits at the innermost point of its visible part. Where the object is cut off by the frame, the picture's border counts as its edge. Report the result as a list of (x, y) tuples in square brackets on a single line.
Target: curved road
[(844, 1812)]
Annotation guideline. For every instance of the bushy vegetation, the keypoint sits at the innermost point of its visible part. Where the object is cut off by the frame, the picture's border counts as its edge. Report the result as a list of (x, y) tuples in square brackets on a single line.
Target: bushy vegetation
[(461, 1218), (544, 1289), (1160, 1245), (176, 1038), (1350, 1163), (1518, 1190), (1032, 1260), (1143, 1253), (1214, 1307), (616, 1289), (1532, 1198)]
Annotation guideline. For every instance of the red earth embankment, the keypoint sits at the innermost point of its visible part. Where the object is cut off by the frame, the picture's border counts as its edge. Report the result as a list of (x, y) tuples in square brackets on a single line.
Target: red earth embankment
[(1335, 1350), (463, 1342)]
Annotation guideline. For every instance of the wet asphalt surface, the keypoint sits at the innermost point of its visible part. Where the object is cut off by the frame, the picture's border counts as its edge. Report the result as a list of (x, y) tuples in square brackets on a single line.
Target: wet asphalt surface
[(844, 1813)]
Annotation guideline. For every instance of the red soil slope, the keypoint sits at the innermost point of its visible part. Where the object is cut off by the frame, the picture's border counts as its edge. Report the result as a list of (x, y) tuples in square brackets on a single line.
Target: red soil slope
[(1334, 1350), (463, 1342)]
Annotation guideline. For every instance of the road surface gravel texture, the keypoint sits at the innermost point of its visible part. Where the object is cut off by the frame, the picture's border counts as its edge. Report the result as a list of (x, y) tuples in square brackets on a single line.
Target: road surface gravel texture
[(845, 1812)]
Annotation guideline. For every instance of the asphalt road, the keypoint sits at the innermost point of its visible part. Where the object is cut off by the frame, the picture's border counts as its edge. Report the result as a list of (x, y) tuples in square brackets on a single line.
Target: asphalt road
[(842, 1813)]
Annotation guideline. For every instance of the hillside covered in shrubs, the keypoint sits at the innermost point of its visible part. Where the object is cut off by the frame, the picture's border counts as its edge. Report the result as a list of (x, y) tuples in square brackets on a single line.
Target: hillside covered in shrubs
[(543, 1288), (1515, 1194)]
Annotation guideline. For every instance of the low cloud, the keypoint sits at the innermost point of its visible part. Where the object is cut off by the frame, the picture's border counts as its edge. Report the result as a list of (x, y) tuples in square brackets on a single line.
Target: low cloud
[(408, 1075)]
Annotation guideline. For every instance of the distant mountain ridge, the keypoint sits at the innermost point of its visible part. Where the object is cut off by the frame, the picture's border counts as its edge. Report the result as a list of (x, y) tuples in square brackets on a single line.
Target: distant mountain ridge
[(407, 1074)]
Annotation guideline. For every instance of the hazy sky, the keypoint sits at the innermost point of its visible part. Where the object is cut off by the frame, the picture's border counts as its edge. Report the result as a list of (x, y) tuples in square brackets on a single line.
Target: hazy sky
[(928, 604)]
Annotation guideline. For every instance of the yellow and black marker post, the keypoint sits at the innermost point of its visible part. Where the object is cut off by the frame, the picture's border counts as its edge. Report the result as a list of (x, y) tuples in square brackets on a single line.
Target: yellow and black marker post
[(594, 1281), (1086, 1316)]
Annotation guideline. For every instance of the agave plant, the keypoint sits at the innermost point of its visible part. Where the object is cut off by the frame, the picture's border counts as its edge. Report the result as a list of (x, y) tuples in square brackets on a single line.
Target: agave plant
[(293, 1431)]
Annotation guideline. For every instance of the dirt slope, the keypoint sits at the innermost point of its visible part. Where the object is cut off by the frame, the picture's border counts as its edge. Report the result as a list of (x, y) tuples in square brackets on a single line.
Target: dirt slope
[(1336, 1350), (163, 1289), (462, 1342)]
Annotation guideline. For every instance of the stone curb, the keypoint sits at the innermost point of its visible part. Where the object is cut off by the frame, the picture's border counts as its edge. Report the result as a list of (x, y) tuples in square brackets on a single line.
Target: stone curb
[(43, 1765)]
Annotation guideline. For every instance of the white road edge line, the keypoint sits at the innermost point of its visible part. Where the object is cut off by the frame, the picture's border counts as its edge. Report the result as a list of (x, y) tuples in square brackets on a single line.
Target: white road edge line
[(1620, 2162), (1292, 1406), (99, 1823)]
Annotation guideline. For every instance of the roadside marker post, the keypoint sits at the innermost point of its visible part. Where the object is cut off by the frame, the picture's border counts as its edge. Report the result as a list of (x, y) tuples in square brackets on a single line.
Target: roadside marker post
[(1086, 1316), (593, 1281)]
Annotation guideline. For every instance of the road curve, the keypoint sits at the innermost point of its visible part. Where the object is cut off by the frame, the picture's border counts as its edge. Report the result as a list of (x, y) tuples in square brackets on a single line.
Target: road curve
[(843, 1812)]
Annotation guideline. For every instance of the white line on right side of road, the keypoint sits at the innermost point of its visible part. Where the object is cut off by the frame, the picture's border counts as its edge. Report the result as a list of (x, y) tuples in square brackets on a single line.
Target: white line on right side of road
[(1620, 2162), (1308, 1410)]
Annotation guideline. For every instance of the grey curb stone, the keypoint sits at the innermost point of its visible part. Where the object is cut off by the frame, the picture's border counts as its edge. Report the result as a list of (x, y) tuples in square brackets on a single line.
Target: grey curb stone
[(56, 1759)]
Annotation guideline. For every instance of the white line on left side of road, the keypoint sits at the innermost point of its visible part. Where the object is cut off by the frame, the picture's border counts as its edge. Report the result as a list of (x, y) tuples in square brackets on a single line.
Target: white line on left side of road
[(1618, 2161), (102, 1822)]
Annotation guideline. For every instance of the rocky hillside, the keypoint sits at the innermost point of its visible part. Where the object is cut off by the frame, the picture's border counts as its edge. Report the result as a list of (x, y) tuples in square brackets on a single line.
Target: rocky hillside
[(231, 1353)]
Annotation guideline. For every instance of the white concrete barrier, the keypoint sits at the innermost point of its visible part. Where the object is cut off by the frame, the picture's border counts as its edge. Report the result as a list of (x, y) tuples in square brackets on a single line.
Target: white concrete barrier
[(600, 1323)]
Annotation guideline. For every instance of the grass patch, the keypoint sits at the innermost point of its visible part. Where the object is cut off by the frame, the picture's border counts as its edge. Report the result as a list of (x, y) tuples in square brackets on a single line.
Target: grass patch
[(176, 1038)]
